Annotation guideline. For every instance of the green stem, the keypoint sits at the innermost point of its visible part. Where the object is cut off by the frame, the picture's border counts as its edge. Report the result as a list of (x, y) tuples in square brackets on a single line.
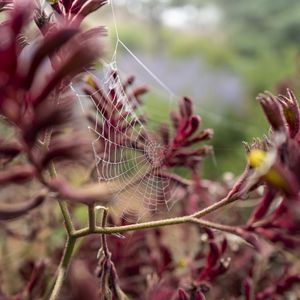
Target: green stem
[(55, 287), (213, 225), (63, 267), (213, 207), (66, 216), (154, 224), (133, 227), (63, 205)]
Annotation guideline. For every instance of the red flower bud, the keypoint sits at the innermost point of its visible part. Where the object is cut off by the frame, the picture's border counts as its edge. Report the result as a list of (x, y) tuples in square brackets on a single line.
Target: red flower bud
[(182, 295), (263, 206), (186, 107), (273, 111), (291, 112)]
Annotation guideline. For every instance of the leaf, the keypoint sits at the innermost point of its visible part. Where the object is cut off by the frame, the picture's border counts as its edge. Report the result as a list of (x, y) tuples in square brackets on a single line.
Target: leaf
[(9, 212), (17, 174), (81, 57), (50, 44), (102, 193)]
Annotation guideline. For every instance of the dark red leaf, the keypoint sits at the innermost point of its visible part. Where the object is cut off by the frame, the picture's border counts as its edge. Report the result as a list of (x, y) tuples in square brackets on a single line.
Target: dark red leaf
[(13, 211)]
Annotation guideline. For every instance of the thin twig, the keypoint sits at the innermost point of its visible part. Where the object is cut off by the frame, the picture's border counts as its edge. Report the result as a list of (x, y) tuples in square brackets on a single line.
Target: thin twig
[(103, 236), (154, 224), (70, 244), (63, 267), (213, 207), (213, 225)]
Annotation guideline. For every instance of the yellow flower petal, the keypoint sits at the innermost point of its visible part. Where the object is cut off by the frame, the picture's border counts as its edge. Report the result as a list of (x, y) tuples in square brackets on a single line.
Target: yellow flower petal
[(257, 158)]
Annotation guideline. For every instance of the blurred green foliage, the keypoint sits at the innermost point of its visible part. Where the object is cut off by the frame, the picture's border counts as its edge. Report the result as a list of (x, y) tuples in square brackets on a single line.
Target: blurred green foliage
[(264, 36), (261, 24)]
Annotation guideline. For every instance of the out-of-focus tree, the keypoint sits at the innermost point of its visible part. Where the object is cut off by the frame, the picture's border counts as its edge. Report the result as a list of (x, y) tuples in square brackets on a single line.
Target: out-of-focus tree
[(154, 9), (270, 23)]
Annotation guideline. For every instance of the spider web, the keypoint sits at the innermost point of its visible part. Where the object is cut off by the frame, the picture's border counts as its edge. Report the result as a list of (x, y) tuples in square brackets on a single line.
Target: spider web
[(127, 153), (126, 150)]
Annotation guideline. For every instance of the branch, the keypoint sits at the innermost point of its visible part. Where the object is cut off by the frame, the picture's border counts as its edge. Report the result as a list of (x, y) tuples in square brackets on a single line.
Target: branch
[(103, 236), (63, 205), (63, 267), (158, 223)]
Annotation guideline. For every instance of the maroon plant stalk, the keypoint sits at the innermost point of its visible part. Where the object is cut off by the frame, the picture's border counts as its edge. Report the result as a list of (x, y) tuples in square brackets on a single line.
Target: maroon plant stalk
[(262, 208)]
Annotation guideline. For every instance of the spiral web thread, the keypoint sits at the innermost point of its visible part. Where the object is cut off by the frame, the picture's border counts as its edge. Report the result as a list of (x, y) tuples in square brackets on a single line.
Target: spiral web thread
[(131, 158)]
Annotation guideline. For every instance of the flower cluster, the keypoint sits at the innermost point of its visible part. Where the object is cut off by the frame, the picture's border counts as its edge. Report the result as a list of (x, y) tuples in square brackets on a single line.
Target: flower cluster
[(73, 12), (273, 164), (186, 125), (36, 99)]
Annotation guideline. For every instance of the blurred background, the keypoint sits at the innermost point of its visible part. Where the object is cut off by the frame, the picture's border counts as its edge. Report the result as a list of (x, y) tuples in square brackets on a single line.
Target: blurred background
[(221, 53)]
